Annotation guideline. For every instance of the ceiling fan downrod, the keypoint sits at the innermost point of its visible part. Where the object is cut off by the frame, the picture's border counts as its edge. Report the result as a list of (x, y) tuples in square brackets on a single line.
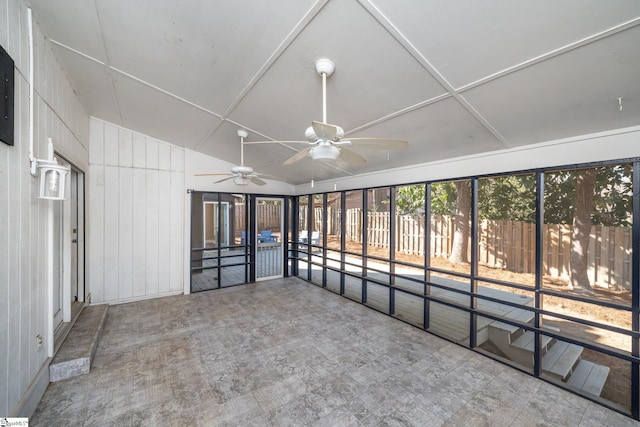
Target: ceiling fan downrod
[(242, 134), (325, 67)]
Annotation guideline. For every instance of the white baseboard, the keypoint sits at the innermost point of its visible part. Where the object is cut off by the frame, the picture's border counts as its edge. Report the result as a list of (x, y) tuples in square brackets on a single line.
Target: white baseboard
[(32, 396)]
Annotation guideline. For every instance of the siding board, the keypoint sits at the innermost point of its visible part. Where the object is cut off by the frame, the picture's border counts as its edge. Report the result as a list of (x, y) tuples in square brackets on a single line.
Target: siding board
[(152, 233), (139, 231), (111, 234), (125, 148), (111, 146), (96, 232), (125, 232), (176, 240), (164, 231), (139, 151)]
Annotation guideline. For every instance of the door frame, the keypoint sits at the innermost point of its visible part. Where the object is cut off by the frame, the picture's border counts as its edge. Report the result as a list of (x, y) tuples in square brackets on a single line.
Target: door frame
[(282, 239), (67, 246)]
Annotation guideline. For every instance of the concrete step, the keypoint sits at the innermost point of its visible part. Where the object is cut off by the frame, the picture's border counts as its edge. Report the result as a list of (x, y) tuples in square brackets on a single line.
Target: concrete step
[(76, 353), (561, 358), (503, 334), (527, 341), (589, 377)]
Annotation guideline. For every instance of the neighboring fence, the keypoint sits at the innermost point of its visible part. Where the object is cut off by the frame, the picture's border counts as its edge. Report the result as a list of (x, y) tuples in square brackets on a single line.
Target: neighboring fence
[(269, 215), (508, 245)]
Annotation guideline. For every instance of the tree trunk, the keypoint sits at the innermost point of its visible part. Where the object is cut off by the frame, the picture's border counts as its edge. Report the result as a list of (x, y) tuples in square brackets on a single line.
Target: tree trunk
[(461, 223), (585, 186)]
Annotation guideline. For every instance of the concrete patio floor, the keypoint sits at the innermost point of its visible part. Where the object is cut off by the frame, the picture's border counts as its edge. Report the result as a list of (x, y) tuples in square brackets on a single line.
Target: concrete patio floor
[(288, 353)]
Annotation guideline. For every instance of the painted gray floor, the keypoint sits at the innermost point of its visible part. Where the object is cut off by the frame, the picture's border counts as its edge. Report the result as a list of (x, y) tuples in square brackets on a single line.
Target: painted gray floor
[(287, 353)]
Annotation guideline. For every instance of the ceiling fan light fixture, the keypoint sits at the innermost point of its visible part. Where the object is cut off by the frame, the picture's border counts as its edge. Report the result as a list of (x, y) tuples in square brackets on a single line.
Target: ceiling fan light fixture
[(325, 153), (241, 180)]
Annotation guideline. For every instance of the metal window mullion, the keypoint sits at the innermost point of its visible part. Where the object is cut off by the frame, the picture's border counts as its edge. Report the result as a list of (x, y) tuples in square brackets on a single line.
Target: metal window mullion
[(392, 248), (365, 242), (295, 217), (190, 240), (473, 320), (310, 218), (325, 223), (219, 240), (537, 353), (427, 254), (284, 236), (343, 238), (635, 292), (251, 237)]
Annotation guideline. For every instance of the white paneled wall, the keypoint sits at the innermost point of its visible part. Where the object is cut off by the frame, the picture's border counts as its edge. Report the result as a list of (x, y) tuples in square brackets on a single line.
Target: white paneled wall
[(136, 195), (23, 217)]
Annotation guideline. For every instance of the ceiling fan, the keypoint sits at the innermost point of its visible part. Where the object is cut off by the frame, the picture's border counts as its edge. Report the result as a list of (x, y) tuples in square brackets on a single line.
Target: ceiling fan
[(241, 175), (325, 140)]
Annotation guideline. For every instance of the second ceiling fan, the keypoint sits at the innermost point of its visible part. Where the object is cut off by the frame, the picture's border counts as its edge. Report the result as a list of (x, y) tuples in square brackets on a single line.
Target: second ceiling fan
[(325, 140), (241, 175)]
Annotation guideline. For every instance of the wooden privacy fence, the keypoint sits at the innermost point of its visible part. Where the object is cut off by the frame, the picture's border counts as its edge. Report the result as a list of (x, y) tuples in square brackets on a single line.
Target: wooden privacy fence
[(269, 217), (508, 245)]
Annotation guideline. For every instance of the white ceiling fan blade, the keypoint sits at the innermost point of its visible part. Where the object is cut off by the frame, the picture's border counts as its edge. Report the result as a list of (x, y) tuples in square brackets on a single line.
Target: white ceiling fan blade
[(257, 181), (211, 174), (261, 175), (379, 143), (276, 142), (224, 179), (325, 130), (298, 156), (351, 157)]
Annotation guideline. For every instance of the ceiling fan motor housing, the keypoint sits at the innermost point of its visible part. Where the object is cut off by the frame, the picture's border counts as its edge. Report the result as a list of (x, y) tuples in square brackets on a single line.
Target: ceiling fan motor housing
[(242, 170), (311, 135)]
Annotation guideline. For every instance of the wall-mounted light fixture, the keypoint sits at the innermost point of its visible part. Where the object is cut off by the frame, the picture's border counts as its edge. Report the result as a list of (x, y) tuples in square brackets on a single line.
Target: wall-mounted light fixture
[(52, 176)]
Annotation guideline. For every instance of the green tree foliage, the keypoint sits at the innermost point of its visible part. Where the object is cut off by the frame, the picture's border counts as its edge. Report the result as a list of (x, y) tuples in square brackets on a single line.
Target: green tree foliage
[(508, 198), (410, 199), (512, 198), (612, 199), (444, 198)]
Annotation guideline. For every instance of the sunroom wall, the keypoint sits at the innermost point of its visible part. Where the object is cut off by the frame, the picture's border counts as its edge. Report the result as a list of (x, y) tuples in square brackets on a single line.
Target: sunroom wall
[(57, 114)]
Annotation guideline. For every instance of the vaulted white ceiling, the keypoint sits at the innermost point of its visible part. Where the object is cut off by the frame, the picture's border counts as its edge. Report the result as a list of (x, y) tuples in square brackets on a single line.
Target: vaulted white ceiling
[(452, 77)]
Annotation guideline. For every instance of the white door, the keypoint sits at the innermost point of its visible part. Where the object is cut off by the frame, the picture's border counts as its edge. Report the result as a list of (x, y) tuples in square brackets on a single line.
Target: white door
[(56, 221), (74, 230)]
